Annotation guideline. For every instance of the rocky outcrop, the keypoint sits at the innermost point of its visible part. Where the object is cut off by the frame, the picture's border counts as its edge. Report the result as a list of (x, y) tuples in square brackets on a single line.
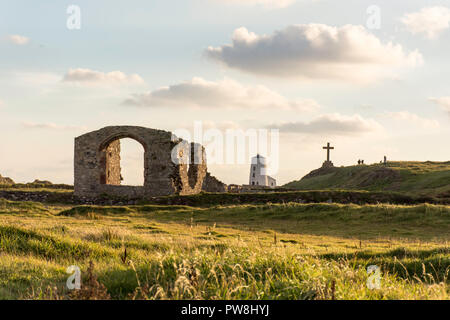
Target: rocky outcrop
[(6, 181), (42, 182)]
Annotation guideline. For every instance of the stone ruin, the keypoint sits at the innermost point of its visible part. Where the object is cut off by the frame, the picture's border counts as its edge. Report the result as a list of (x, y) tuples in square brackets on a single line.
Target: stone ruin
[(171, 165)]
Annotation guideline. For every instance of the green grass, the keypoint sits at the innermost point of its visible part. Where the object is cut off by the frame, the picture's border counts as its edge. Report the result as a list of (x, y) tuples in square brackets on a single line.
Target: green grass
[(36, 186), (413, 178), (249, 251)]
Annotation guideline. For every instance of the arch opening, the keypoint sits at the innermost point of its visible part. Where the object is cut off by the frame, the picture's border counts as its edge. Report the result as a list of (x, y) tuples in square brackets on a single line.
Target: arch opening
[(122, 162)]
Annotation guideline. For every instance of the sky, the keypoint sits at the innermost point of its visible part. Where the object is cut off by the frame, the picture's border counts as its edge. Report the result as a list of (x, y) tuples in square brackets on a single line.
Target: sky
[(370, 77)]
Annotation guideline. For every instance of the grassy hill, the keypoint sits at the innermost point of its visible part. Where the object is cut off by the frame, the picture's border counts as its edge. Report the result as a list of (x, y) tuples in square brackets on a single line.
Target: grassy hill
[(415, 178), (277, 245), (253, 251)]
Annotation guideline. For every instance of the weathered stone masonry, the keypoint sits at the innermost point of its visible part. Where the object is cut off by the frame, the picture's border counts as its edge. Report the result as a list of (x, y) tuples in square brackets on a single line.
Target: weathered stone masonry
[(97, 164)]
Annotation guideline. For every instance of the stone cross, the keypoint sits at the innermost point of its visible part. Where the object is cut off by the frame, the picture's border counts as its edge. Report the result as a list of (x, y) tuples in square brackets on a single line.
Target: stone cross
[(328, 148)]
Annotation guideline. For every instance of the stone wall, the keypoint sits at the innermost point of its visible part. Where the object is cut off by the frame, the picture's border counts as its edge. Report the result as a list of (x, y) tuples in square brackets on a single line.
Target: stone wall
[(356, 197), (97, 164), (110, 164), (212, 184)]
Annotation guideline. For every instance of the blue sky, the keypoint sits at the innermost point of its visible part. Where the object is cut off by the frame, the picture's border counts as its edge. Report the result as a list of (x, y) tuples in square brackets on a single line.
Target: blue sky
[(57, 83)]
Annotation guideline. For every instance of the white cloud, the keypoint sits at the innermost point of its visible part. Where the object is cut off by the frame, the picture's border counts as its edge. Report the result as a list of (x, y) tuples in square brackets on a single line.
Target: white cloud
[(51, 126), (414, 119), (227, 93), (265, 3), (335, 124), (18, 39), (315, 51), (92, 77), (443, 102), (430, 21)]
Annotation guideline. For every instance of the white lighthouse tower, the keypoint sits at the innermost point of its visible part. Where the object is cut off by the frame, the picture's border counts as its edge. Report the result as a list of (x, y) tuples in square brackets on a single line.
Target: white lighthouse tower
[(258, 173)]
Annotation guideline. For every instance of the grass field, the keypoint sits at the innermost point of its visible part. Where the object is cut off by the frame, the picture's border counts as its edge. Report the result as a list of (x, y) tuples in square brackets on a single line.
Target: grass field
[(409, 177), (266, 251)]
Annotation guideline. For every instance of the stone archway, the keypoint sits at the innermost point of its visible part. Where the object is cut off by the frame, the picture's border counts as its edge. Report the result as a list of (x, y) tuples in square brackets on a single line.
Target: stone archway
[(97, 164), (111, 157)]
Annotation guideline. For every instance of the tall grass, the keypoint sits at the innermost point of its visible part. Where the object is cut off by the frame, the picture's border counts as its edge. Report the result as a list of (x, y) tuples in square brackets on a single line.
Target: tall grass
[(272, 251)]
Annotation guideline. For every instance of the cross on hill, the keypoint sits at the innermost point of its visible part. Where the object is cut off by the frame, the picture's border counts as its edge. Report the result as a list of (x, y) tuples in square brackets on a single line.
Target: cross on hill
[(328, 148)]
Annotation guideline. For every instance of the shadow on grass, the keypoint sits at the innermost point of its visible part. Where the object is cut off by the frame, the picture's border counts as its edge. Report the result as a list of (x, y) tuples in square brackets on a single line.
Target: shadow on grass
[(430, 266)]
